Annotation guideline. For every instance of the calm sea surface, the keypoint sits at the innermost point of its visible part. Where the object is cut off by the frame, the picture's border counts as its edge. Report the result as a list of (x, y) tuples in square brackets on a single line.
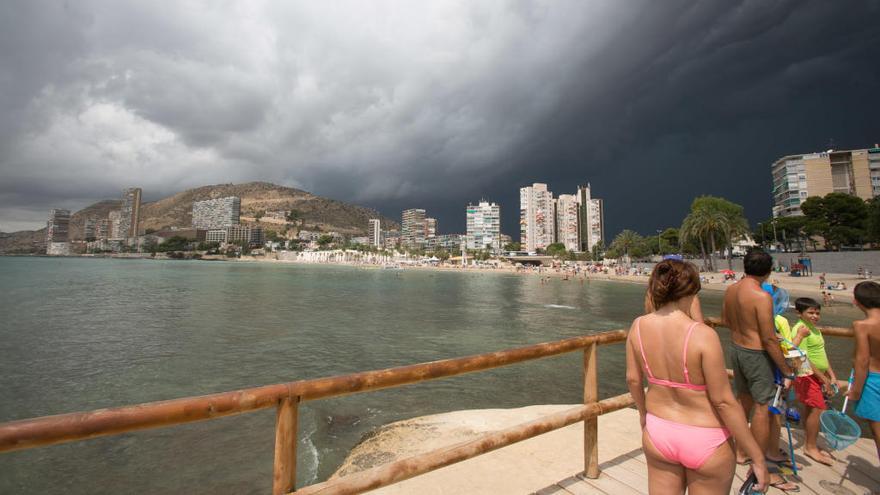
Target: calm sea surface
[(79, 334)]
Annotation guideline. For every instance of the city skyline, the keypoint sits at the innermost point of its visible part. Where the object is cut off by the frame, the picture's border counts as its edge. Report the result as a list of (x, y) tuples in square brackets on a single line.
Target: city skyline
[(466, 100)]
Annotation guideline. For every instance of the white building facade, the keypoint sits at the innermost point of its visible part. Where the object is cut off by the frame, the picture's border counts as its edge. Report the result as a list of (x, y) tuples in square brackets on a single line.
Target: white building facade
[(536, 218), (218, 213), (592, 219), (568, 222), (484, 226), (374, 232)]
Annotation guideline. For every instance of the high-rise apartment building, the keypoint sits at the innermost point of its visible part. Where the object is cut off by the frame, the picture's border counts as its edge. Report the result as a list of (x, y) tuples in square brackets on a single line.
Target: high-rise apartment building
[(58, 232), (130, 213), (484, 226), (374, 233), (412, 228), (874, 169), (568, 222), (797, 177), (430, 228), (58, 226), (115, 220), (89, 228), (592, 219), (102, 228), (536, 217), (216, 213)]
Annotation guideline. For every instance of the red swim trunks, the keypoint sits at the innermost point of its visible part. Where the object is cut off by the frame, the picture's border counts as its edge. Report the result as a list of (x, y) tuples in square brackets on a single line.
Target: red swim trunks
[(809, 391)]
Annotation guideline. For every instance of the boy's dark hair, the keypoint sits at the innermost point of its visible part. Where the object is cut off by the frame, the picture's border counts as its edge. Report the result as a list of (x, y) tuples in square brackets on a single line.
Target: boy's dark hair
[(757, 263), (802, 304), (867, 294)]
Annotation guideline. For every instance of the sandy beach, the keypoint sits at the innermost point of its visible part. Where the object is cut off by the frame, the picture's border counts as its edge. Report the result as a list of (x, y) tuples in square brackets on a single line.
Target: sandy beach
[(807, 286)]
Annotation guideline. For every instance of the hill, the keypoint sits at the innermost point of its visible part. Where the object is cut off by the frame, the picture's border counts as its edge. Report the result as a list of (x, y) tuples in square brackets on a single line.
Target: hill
[(313, 213)]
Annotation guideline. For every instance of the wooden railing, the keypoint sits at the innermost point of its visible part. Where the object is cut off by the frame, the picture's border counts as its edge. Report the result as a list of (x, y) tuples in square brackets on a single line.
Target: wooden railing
[(286, 398)]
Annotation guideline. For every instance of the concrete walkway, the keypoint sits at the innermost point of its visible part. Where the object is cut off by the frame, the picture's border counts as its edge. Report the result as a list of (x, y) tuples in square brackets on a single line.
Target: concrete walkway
[(551, 463)]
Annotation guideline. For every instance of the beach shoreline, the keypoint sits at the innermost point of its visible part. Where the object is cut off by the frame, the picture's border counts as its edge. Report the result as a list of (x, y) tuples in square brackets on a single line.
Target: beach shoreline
[(806, 286)]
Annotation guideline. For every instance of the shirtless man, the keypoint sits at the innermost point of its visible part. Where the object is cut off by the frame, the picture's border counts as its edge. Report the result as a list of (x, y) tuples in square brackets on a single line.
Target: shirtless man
[(748, 312)]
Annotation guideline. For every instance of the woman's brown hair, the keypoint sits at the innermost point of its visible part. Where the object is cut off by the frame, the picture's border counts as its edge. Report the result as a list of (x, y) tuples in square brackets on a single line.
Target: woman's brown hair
[(672, 280)]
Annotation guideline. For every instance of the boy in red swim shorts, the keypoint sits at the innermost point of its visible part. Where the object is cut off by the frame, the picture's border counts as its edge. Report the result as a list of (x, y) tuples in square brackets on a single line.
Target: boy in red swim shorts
[(813, 389)]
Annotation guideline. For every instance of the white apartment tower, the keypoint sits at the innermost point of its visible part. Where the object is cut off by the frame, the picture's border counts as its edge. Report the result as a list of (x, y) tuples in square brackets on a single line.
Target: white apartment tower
[(375, 232), (592, 219), (412, 228), (536, 217), (430, 229), (130, 213), (484, 226), (116, 227), (57, 232), (568, 222), (218, 213)]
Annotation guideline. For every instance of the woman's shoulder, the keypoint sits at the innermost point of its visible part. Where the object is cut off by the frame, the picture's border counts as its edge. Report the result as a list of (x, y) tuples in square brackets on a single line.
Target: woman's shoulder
[(704, 334)]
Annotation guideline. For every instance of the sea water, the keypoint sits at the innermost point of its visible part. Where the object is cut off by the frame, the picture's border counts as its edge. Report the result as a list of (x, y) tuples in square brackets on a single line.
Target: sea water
[(79, 334)]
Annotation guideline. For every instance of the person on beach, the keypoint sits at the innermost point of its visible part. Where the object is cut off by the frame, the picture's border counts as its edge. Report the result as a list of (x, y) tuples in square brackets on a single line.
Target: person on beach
[(812, 390), (695, 311), (866, 380), (689, 411), (755, 353)]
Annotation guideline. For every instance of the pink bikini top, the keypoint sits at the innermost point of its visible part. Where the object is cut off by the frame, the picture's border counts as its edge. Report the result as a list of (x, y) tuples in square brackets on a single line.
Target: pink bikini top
[(667, 383)]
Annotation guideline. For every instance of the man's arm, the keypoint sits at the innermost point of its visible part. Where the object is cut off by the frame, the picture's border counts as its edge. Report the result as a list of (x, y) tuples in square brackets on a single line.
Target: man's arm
[(767, 332), (861, 359)]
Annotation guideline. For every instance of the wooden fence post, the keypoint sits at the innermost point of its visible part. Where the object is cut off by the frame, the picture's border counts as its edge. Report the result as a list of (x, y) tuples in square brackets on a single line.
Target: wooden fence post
[(591, 425), (284, 478)]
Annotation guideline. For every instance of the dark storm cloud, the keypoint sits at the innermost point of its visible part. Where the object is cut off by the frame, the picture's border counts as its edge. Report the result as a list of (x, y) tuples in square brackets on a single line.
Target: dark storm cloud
[(405, 104)]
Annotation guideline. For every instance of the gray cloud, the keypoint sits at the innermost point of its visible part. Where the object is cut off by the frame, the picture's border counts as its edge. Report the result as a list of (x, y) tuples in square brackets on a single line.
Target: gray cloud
[(422, 103)]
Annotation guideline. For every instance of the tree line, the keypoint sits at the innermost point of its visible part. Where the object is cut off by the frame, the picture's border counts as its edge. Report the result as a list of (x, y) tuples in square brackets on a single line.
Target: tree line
[(833, 222)]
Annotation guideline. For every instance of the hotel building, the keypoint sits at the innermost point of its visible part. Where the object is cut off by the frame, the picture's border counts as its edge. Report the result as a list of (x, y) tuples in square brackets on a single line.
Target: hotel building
[(536, 218), (568, 222), (130, 213), (216, 213), (797, 177), (58, 226), (430, 229), (253, 236), (58, 232), (412, 228), (374, 233), (115, 219), (592, 219), (484, 226)]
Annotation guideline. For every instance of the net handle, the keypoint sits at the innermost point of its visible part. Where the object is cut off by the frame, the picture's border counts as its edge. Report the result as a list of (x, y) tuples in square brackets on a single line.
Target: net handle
[(852, 375)]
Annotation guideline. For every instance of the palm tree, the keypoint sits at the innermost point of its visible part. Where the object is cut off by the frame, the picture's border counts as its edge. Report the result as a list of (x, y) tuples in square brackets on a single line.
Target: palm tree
[(704, 225), (734, 226), (626, 241)]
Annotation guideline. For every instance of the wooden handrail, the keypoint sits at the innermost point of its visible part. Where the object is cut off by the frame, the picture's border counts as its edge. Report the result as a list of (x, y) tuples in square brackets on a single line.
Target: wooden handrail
[(49, 430), (400, 470)]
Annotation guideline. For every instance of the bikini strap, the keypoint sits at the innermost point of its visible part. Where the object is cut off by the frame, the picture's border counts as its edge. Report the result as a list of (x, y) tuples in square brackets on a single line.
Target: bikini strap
[(684, 352), (642, 347)]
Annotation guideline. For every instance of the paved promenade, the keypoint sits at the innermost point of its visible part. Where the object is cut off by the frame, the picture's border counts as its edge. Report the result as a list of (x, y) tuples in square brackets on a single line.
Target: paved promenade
[(550, 463)]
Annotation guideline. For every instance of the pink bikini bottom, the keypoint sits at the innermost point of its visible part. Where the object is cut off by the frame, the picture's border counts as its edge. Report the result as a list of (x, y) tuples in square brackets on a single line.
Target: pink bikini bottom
[(687, 445)]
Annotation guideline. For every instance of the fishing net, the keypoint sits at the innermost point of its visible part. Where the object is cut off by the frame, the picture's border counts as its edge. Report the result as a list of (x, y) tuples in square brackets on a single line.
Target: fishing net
[(839, 429)]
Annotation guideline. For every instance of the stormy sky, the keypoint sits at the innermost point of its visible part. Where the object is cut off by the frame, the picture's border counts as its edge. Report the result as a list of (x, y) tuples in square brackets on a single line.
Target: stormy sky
[(404, 104)]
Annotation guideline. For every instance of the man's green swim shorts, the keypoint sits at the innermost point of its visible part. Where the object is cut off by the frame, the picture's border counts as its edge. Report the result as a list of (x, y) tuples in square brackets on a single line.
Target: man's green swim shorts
[(753, 373)]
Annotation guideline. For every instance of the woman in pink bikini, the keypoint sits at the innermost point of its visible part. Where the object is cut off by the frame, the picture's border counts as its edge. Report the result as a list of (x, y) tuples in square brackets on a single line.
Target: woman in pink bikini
[(689, 411)]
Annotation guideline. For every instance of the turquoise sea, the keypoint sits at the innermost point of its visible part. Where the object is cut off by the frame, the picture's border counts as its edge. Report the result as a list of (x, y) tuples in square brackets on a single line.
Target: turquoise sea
[(79, 334)]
